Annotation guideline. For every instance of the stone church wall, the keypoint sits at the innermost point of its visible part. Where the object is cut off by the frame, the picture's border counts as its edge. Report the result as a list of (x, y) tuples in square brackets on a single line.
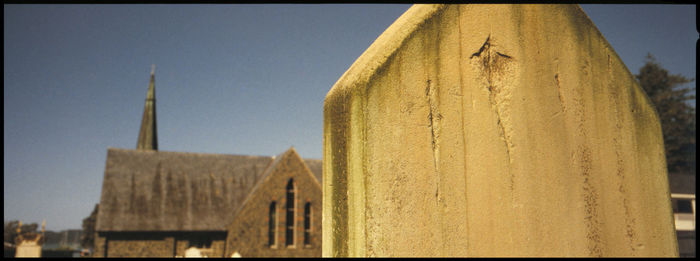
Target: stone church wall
[(154, 244), (248, 234), (135, 245)]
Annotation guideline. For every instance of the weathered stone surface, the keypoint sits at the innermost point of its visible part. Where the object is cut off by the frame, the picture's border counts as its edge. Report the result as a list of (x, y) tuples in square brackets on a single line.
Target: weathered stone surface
[(493, 130), (28, 248)]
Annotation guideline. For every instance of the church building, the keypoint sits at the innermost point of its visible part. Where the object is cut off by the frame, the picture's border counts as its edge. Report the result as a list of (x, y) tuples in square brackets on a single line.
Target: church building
[(180, 204)]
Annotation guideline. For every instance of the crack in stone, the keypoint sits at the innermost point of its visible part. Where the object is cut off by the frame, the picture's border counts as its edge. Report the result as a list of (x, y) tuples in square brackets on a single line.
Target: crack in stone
[(493, 63), (434, 117), (561, 97)]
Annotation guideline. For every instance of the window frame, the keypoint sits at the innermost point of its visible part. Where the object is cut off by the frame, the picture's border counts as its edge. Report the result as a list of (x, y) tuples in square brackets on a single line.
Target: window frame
[(272, 225), (683, 221), (307, 224), (290, 211)]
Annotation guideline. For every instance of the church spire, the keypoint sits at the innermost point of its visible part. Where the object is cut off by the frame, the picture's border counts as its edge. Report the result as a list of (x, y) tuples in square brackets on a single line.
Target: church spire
[(148, 138)]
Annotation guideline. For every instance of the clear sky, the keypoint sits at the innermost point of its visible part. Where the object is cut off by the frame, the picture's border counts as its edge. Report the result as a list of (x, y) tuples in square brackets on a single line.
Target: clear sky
[(231, 79)]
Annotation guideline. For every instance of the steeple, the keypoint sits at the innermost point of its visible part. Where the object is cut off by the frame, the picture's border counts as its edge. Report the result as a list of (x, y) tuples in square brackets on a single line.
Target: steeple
[(148, 138)]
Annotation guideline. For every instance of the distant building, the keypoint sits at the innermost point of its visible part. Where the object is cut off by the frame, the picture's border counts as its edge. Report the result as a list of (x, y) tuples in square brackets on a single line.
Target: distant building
[(65, 239), (177, 204), (683, 202)]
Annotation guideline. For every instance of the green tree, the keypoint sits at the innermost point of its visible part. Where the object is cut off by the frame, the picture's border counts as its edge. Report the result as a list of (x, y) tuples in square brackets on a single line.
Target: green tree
[(87, 237), (670, 96)]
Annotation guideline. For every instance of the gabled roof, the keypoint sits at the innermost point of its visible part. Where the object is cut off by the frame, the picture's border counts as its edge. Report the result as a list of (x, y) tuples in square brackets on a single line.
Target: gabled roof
[(315, 167), (146, 190), (274, 169)]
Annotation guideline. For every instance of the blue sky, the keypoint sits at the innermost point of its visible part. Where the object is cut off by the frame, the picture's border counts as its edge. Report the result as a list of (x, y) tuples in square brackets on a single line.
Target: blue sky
[(232, 79)]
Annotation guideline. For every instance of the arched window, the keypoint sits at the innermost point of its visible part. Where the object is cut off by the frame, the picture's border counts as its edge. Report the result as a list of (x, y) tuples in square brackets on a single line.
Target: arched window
[(307, 223), (289, 236), (272, 226)]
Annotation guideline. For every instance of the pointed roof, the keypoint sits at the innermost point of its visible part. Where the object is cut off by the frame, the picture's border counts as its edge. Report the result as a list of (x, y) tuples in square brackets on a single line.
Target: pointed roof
[(148, 138), (278, 165), (285, 156)]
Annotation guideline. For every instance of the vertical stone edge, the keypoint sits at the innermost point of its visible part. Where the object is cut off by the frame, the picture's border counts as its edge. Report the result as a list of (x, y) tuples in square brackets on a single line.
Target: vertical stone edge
[(356, 176), (335, 191)]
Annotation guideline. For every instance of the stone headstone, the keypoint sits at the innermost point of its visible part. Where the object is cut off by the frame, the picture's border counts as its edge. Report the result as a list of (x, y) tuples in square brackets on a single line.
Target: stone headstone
[(493, 130)]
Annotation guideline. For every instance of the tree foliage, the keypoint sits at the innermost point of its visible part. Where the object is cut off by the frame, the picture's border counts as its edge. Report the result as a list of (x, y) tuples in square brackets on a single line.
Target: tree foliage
[(87, 237), (670, 97), (10, 234)]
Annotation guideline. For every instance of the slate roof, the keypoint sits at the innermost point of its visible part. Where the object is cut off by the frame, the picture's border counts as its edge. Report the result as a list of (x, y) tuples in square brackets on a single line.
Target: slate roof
[(316, 168), (177, 191)]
